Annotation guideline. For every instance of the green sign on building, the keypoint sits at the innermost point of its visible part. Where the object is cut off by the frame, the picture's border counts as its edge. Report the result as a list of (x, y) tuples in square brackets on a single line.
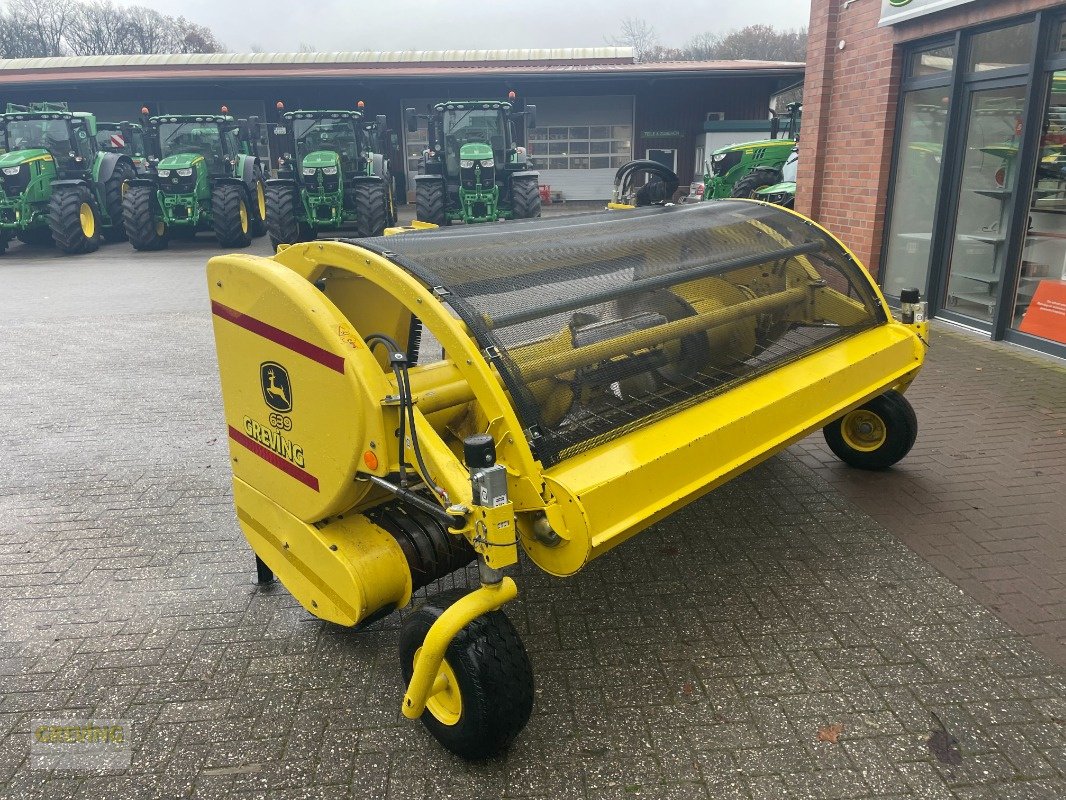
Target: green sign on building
[(893, 11)]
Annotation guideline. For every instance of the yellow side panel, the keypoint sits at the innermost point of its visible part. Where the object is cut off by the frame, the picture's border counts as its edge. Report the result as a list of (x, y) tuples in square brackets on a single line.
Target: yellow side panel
[(342, 571)]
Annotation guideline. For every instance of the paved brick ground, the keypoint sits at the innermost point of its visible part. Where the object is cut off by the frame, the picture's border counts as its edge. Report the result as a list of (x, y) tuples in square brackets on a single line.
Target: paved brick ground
[(699, 660), (983, 494)]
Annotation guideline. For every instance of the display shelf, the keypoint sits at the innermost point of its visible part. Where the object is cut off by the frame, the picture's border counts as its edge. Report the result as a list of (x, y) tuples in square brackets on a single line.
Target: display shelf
[(977, 298), (982, 277), (997, 238), (997, 193)]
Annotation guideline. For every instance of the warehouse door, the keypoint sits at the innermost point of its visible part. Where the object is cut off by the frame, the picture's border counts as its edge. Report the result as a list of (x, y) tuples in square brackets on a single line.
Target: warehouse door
[(579, 142)]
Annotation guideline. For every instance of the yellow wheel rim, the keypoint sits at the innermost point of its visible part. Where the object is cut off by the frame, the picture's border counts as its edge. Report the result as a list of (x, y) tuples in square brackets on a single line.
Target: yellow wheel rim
[(863, 430), (125, 188), (260, 199), (244, 217), (447, 704), (87, 220), (160, 228)]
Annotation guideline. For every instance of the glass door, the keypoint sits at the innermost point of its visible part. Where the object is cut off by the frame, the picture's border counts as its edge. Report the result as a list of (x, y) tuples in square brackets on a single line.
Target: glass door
[(986, 184)]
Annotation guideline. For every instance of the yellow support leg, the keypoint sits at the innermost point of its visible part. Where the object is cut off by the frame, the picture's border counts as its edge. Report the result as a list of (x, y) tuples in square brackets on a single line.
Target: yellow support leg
[(460, 614)]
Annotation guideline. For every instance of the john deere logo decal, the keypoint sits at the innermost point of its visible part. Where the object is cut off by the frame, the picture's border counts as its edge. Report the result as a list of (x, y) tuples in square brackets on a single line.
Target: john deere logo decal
[(277, 391), (899, 3)]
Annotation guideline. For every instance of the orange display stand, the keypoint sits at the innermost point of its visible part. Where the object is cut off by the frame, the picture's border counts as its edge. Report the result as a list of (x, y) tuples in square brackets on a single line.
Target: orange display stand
[(1046, 315)]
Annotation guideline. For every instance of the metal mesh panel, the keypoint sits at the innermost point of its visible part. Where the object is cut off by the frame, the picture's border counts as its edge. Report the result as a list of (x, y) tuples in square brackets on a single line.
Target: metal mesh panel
[(601, 322)]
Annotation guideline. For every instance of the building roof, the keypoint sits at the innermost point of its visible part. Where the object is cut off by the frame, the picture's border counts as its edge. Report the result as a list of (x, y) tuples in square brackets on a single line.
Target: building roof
[(355, 64)]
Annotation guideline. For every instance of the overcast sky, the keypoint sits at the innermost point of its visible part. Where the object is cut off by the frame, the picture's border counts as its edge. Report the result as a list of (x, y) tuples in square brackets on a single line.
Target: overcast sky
[(281, 25)]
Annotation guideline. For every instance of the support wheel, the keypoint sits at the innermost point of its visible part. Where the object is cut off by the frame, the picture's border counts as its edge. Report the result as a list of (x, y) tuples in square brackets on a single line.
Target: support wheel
[(114, 194), (370, 203), (525, 198), (488, 695), (74, 221), (429, 202), (230, 216), (754, 181), (143, 220), (875, 435)]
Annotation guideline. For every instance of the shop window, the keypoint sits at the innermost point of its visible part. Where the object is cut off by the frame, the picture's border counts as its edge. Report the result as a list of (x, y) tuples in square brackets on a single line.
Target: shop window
[(917, 184), (1040, 293), (934, 61), (1002, 48), (1058, 41)]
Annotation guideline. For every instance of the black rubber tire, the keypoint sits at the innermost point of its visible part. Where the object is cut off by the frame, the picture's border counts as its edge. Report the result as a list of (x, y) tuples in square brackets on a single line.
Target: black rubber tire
[(755, 180), (494, 676), (64, 219), (901, 430), (282, 224), (37, 237), (370, 204), (142, 220), (429, 202), (226, 202), (256, 222), (525, 198), (113, 197)]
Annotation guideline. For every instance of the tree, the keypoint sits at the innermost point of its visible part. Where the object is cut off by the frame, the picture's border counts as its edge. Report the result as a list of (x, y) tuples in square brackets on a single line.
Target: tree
[(758, 42), (41, 28), (639, 35)]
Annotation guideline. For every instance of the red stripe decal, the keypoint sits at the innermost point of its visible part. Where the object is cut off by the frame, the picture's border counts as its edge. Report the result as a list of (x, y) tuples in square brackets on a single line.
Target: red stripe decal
[(278, 336), (293, 471)]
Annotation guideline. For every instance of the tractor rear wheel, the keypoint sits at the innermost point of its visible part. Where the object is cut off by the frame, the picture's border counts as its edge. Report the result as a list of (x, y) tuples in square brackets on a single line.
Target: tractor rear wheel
[(429, 202), (41, 237), (488, 694), (259, 208), (114, 192), (74, 220), (875, 435), (754, 181), (144, 225), (370, 208), (281, 220), (230, 215), (525, 198)]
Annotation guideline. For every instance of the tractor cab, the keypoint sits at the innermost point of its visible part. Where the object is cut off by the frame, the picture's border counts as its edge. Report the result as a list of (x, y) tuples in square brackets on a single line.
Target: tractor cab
[(327, 145), (191, 140), (126, 138), (30, 133), (476, 168)]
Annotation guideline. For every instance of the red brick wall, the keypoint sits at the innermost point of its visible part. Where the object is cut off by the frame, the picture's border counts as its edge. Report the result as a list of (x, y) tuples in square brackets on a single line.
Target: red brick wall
[(849, 109)]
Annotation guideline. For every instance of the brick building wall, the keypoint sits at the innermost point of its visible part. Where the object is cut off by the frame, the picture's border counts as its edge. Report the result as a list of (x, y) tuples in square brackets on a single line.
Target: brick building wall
[(849, 110)]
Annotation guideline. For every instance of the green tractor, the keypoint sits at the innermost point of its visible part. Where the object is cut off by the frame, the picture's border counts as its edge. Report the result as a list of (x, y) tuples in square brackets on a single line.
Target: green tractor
[(476, 169), (125, 138), (207, 178), (333, 175), (742, 170), (55, 184)]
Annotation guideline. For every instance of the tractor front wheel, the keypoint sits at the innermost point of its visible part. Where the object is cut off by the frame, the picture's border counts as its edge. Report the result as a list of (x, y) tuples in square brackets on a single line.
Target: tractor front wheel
[(114, 194), (259, 209), (281, 220), (230, 216), (429, 202), (525, 198), (754, 181), (370, 204), (140, 216), (73, 219), (487, 695), (875, 435)]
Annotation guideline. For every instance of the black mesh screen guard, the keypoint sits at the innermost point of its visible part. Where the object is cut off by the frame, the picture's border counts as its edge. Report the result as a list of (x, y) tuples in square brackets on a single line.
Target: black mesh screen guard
[(601, 322)]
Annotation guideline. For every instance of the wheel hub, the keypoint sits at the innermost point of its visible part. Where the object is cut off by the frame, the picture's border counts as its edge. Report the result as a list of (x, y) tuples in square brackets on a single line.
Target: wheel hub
[(446, 703), (864, 430)]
